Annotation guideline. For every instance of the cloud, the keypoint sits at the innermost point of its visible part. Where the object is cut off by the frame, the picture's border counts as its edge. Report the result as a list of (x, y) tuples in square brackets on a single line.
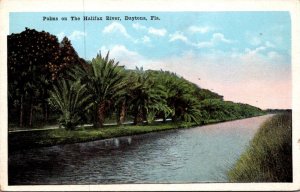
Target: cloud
[(150, 30), (269, 44), (159, 32), (146, 39), (253, 38), (219, 37), (119, 28), (138, 26), (116, 27), (255, 41), (204, 44), (216, 38), (130, 59), (60, 35), (200, 29), (178, 36), (119, 51), (255, 50), (275, 56), (76, 35)]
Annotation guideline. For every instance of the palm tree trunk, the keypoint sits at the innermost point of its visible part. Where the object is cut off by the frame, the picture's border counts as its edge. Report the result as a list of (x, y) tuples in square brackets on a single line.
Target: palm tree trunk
[(118, 118), (21, 112), (45, 106), (31, 114), (138, 119), (123, 112), (144, 116), (95, 117), (101, 114), (45, 110)]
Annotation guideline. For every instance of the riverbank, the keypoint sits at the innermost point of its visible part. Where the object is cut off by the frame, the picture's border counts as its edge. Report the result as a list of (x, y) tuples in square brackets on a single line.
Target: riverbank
[(269, 156), (45, 138), (173, 156)]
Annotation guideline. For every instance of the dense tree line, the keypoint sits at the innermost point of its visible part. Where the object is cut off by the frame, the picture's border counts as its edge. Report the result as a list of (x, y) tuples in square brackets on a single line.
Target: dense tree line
[(44, 72), (35, 61)]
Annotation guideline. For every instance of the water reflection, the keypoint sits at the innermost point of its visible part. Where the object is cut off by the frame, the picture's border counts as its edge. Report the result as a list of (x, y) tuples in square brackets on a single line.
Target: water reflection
[(177, 156)]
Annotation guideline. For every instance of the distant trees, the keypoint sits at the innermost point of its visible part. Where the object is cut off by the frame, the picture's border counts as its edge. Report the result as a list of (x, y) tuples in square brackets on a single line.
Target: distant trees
[(218, 110)]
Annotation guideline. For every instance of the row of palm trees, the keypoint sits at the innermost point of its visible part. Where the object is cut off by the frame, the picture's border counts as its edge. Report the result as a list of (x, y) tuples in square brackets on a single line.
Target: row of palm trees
[(43, 71), (104, 88)]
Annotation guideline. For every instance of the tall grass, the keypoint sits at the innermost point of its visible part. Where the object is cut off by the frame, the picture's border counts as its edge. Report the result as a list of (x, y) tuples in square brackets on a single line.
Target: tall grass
[(269, 156)]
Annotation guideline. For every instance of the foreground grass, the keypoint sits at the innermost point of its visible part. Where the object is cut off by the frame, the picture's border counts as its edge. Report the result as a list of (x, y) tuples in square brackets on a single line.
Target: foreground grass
[(269, 156), (25, 140)]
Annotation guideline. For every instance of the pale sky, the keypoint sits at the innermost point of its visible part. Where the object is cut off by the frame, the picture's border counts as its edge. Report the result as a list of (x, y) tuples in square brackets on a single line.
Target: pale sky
[(244, 56)]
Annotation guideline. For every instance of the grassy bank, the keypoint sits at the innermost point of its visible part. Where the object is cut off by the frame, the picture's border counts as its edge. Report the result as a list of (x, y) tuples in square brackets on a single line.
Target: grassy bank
[(31, 139), (41, 138), (269, 156)]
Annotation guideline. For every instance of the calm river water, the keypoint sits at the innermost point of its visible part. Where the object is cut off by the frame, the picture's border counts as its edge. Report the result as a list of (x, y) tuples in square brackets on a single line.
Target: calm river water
[(201, 154)]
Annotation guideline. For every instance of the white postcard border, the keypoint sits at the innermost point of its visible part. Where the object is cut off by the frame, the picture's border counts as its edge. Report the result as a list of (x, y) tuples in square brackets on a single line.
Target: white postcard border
[(293, 6)]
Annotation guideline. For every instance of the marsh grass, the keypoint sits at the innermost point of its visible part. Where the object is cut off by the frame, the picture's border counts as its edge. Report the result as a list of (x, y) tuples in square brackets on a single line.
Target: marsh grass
[(269, 155)]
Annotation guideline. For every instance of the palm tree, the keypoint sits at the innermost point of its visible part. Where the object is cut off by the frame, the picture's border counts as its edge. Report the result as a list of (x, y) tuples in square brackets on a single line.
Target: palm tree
[(191, 111), (105, 82), (180, 97), (71, 100), (148, 97), (122, 103)]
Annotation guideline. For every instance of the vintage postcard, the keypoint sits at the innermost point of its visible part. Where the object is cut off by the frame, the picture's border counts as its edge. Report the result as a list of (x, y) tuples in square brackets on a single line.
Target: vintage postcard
[(150, 95)]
